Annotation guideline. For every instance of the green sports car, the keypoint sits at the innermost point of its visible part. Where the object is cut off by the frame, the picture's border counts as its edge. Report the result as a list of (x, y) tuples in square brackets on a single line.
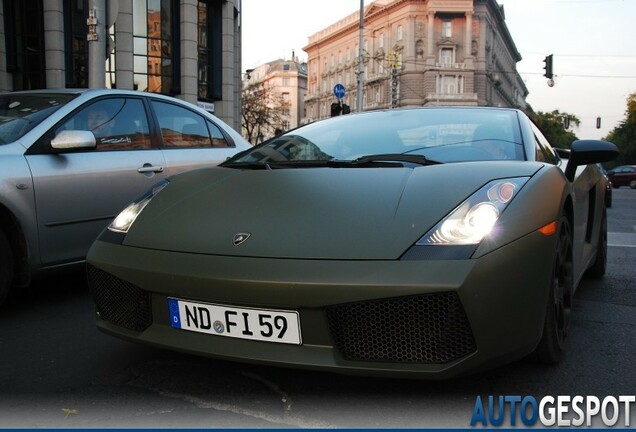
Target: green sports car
[(419, 242)]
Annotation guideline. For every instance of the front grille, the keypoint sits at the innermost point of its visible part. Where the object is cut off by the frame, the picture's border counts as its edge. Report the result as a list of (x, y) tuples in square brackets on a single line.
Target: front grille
[(429, 328), (118, 301)]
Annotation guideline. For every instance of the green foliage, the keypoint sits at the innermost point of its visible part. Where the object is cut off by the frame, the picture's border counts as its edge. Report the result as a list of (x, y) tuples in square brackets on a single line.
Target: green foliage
[(553, 126), (624, 135)]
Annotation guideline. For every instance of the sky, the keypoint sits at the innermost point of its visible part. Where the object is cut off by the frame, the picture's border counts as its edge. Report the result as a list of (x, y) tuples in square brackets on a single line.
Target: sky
[(593, 43)]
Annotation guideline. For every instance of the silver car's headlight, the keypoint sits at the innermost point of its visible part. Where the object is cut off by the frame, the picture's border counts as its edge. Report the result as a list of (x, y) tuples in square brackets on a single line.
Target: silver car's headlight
[(466, 226), (125, 219)]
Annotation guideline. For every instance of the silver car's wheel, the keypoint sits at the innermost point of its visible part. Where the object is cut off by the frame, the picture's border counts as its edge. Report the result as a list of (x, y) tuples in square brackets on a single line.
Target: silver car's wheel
[(632, 184), (550, 348), (6, 268)]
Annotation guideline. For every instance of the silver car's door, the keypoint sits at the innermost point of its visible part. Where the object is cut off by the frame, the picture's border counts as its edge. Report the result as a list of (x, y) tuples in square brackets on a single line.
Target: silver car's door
[(78, 192)]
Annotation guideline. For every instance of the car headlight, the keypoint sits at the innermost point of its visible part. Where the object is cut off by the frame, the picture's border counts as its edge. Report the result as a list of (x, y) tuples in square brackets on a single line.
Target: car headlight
[(469, 223), (125, 219)]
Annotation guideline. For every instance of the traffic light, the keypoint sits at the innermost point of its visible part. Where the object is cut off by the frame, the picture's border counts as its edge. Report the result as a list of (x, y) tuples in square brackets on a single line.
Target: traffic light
[(548, 67), (598, 122)]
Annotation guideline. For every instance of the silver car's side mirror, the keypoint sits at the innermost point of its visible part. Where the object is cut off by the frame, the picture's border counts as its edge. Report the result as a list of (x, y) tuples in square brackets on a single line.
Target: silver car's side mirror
[(73, 139)]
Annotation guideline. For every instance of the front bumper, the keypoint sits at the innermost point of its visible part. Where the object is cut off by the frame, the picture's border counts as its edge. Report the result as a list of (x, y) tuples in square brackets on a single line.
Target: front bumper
[(476, 314)]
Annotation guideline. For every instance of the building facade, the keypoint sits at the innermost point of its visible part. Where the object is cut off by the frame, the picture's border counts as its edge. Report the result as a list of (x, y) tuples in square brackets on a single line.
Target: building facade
[(189, 49), (284, 83), (415, 53)]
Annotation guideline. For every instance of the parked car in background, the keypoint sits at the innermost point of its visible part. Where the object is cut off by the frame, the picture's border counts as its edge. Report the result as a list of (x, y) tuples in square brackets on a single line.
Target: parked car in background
[(71, 159), (421, 242), (624, 175)]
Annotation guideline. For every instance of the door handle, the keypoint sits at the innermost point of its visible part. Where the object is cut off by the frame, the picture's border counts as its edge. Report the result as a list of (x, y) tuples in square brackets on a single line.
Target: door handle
[(147, 168)]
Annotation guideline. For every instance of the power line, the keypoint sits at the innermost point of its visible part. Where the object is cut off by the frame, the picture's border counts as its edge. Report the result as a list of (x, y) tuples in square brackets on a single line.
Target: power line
[(584, 55), (577, 75), (583, 1)]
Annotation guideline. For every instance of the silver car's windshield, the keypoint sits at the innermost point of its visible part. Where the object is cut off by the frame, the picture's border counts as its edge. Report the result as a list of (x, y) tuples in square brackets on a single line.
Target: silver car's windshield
[(19, 113), (444, 135)]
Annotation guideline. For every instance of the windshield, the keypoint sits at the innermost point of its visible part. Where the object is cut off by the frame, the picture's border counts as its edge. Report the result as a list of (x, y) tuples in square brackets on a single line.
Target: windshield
[(19, 113), (438, 134)]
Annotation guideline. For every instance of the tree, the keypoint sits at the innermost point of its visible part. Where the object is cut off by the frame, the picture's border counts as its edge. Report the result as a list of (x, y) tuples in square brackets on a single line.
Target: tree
[(554, 125), (261, 112), (624, 135)]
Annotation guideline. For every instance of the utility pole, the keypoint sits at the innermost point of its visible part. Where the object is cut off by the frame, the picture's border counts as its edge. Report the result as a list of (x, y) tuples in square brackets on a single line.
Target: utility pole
[(360, 57), (96, 38)]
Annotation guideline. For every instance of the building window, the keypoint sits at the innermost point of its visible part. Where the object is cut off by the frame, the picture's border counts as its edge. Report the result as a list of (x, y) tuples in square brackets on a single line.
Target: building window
[(348, 54), (381, 41), (447, 28), (446, 56), (24, 39), (156, 44), (450, 84), (75, 44), (110, 58), (399, 34), (210, 48)]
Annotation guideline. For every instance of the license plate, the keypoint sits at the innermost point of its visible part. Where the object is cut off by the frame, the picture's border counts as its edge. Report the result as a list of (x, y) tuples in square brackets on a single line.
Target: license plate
[(230, 321)]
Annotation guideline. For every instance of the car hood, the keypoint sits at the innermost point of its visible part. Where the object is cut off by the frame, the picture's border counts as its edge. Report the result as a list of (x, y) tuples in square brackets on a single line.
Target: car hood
[(312, 213)]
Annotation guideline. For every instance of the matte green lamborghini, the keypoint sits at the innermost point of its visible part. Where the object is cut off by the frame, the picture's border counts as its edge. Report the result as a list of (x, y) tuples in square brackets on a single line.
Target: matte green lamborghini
[(423, 242)]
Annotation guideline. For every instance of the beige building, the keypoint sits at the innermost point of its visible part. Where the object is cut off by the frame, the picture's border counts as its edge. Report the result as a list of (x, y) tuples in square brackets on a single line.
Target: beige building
[(286, 80), (415, 52)]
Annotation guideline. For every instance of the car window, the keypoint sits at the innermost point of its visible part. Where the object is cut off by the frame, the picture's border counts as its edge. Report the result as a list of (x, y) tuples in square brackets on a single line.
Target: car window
[(182, 128), (19, 113), (117, 123), (544, 152), (444, 135)]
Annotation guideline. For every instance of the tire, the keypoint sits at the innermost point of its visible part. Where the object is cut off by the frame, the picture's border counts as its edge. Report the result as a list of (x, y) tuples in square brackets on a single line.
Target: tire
[(632, 184), (6, 267), (598, 268), (551, 347)]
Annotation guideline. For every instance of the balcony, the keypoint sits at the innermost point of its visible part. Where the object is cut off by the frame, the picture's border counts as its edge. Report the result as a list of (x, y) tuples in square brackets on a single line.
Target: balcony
[(376, 77), (451, 99), (450, 66)]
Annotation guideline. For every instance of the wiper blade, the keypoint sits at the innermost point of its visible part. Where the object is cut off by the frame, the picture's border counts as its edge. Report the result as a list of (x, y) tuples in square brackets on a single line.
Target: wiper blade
[(375, 160), (247, 165), (395, 157)]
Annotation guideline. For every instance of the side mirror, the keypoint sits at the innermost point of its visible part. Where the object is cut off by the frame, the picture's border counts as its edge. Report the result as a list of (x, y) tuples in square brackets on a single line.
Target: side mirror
[(73, 139), (586, 152)]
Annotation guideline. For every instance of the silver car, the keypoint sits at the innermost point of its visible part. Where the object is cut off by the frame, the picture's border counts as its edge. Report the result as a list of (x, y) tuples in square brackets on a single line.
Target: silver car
[(71, 159)]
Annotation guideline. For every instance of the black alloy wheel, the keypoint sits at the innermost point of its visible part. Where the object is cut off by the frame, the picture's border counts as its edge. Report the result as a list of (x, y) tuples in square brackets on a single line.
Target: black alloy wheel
[(551, 347)]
